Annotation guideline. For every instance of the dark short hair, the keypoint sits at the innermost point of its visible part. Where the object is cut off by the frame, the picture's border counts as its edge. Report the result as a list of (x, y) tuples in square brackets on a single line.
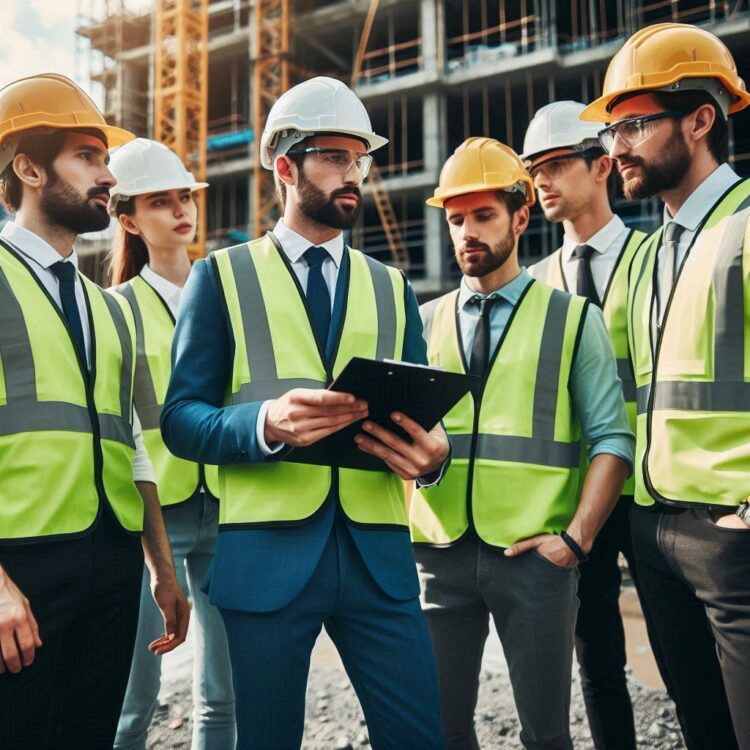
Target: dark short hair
[(42, 149), (689, 101), (512, 201)]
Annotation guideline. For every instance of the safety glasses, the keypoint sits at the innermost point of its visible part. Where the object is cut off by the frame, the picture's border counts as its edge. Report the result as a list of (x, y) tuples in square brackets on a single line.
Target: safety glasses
[(553, 168), (635, 130), (338, 159)]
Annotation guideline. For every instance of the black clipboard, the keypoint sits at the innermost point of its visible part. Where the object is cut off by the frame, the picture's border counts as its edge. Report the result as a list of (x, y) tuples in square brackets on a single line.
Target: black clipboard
[(426, 394)]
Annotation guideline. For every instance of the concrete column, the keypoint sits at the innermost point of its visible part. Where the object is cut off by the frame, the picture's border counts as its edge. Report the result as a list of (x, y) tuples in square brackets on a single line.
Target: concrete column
[(434, 149), (429, 26)]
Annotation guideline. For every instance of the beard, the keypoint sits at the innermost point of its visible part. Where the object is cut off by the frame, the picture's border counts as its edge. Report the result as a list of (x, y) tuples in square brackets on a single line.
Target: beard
[(323, 209), (490, 260), (663, 173), (67, 208)]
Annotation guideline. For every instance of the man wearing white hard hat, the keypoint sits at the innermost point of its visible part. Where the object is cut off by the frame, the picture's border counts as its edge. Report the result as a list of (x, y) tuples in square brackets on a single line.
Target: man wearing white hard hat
[(572, 176), (76, 485), (149, 266), (264, 327)]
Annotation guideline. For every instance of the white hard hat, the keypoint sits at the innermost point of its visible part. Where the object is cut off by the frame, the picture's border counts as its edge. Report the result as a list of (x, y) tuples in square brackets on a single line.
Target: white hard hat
[(320, 105), (558, 125), (145, 166)]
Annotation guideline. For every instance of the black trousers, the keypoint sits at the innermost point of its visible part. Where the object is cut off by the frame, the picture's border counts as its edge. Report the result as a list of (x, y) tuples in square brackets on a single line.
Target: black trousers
[(84, 594), (695, 580), (600, 638)]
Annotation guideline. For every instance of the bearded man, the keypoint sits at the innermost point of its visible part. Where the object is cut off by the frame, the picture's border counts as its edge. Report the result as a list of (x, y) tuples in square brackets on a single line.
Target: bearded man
[(263, 328), (76, 484), (505, 530)]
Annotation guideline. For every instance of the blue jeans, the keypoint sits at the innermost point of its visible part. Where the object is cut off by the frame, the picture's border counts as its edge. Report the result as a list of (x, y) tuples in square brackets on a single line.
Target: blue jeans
[(192, 528)]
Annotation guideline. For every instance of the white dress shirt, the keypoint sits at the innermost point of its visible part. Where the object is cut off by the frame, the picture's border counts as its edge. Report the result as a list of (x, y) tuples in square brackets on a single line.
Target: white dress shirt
[(692, 212), (169, 292), (607, 244), (41, 256)]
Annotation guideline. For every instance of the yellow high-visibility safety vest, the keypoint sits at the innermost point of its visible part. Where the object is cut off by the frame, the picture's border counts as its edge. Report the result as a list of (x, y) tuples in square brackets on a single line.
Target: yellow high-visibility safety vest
[(176, 479), (66, 434), (516, 444), (276, 350), (614, 308), (692, 444)]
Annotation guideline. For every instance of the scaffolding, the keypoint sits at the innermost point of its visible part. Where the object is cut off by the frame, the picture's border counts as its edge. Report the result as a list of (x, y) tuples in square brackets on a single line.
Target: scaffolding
[(431, 73)]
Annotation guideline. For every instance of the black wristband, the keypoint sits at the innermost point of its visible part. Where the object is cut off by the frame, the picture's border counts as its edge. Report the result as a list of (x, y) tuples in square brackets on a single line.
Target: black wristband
[(573, 544)]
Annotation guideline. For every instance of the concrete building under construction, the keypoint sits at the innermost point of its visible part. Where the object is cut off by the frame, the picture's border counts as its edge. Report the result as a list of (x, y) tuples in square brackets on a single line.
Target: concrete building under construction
[(431, 72)]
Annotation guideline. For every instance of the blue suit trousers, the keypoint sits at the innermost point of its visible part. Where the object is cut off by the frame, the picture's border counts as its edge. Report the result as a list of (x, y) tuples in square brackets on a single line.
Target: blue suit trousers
[(383, 642)]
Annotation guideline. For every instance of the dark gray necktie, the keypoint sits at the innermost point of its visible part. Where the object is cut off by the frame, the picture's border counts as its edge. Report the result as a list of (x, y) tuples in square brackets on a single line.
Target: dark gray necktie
[(480, 348), (667, 274), (585, 286)]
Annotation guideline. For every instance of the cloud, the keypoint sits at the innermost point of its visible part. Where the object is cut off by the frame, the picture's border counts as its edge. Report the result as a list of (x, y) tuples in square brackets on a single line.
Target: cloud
[(23, 55), (54, 13)]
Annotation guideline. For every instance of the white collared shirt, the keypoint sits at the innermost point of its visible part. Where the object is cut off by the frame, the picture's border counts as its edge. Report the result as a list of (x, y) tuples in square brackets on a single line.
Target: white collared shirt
[(169, 292), (607, 244), (40, 255), (693, 211), (295, 245)]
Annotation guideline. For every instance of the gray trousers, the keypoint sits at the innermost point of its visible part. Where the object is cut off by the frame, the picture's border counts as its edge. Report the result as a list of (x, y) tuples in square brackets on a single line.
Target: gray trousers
[(533, 604)]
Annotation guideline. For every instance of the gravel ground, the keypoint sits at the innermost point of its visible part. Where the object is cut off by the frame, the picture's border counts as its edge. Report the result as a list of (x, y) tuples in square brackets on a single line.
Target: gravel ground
[(335, 722)]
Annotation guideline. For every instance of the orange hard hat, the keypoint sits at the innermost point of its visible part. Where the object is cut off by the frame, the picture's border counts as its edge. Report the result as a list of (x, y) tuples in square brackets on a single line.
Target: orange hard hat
[(45, 103), (481, 165), (671, 57)]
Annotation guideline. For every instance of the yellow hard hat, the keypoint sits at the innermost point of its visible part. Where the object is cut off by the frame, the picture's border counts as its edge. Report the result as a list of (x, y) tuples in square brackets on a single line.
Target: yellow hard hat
[(671, 57), (480, 165), (48, 102)]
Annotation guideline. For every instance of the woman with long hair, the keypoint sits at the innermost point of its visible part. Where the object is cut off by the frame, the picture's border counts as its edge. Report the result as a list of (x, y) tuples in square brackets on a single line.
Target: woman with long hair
[(149, 265)]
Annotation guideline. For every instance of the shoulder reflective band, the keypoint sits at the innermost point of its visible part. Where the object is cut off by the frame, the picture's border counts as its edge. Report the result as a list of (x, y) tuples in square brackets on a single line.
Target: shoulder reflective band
[(126, 347), (149, 411), (23, 412), (258, 342)]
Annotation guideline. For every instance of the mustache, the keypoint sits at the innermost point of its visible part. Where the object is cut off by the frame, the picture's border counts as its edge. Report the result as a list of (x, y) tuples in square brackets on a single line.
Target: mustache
[(347, 191), (475, 246), (633, 161), (95, 191)]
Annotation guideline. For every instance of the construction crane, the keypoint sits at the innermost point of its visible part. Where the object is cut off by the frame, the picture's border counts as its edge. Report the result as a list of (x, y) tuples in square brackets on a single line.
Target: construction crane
[(181, 91), (391, 227), (270, 81)]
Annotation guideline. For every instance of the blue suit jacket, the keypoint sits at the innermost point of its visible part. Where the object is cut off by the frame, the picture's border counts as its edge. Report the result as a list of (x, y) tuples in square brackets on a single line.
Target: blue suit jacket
[(263, 569)]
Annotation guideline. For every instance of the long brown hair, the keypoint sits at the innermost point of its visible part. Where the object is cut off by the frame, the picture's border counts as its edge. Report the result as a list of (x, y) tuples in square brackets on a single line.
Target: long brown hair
[(129, 253)]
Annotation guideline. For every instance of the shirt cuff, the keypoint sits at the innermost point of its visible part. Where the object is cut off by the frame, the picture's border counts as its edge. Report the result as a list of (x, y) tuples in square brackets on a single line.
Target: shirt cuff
[(435, 477), (620, 447), (260, 427)]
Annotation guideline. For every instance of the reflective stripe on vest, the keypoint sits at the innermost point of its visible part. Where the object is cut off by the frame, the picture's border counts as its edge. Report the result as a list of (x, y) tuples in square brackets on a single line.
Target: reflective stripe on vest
[(516, 447), (66, 436), (276, 350), (614, 309), (177, 479), (692, 446)]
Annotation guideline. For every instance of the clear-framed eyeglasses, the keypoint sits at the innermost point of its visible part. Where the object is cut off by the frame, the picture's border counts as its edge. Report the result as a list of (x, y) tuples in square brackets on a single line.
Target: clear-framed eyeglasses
[(553, 168), (338, 159), (635, 130)]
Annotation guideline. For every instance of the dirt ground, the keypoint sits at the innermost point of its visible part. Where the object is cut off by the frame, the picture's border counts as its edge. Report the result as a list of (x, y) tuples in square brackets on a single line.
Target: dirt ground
[(334, 719)]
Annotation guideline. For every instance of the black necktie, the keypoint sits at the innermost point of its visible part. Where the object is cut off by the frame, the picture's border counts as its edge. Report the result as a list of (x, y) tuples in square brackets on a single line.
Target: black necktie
[(480, 348), (585, 286), (318, 296), (66, 275)]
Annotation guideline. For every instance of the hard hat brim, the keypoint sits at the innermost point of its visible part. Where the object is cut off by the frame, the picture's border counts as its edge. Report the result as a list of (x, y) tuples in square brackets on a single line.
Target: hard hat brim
[(116, 197), (115, 136), (599, 109), (440, 201)]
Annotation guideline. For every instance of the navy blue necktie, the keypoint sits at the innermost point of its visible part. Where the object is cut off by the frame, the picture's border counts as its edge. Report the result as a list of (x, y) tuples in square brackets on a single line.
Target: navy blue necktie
[(318, 296), (66, 275)]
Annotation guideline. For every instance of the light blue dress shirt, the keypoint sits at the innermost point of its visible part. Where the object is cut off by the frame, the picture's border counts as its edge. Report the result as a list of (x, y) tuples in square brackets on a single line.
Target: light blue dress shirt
[(595, 388)]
